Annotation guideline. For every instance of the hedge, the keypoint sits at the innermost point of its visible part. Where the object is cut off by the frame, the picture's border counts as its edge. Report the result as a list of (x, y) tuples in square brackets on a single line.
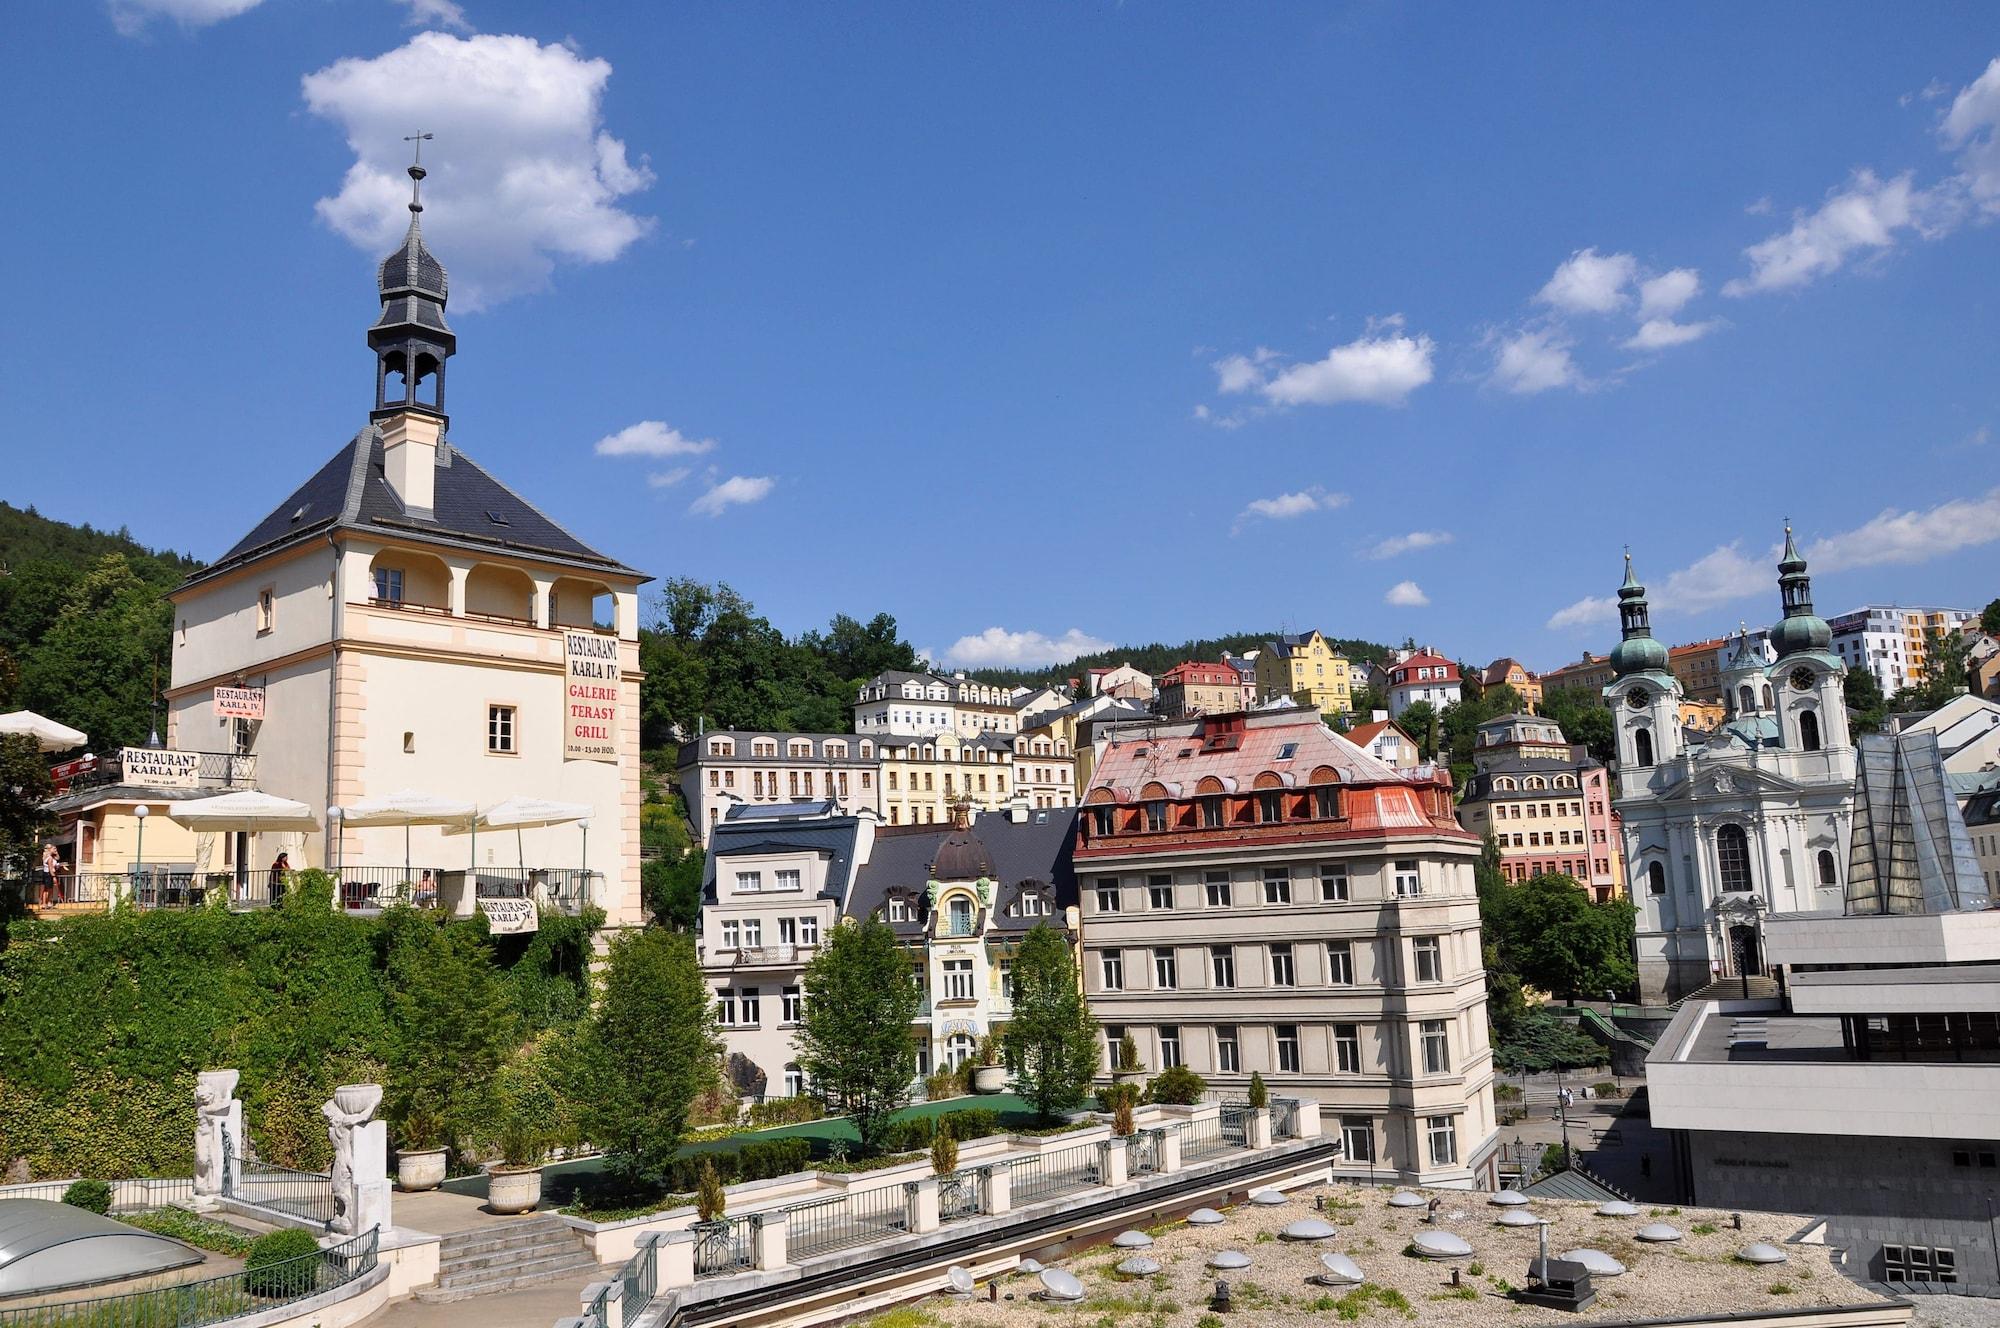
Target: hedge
[(915, 1134), (759, 1160), (270, 1270)]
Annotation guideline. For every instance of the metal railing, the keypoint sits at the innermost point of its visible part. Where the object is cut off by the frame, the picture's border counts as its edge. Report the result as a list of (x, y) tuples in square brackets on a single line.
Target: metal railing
[(129, 1194), (380, 887), (212, 1300), (213, 770), (727, 1245), (821, 1226), (962, 1194), (1284, 1118), (1046, 1175), (68, 889), (566, 889), (1142, 1153), (1202, 1138), (306, 1195), (1235, 1124)]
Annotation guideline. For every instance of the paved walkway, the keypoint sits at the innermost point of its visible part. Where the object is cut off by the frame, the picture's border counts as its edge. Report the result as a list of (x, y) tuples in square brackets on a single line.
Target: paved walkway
[(442, 1212), (531, 1307)]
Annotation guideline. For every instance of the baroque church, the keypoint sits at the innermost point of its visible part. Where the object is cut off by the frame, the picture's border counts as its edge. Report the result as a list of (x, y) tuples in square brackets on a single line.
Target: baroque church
[(1723, 828)]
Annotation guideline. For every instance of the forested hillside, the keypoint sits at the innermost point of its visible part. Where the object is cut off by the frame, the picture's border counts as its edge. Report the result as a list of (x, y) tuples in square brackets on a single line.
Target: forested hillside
[(1157, 657), (83, 623)]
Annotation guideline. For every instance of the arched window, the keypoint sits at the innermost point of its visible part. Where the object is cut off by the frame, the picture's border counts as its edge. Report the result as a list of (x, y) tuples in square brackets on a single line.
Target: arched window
[(1808, 731), (1656, 878), (1746, 698), (1642, 747), (1828, 875), (1767, 695), (1732, 858), (960, 915), (958, 1050)]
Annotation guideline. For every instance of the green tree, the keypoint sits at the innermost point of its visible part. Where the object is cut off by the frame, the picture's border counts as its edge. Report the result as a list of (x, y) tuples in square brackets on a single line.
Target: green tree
[(452, 1025), (24, 787), (854, 1040), (1540, 1043), (94, 669), (1420, 720), (1989, 618), (1867, 708), (1550, 932), (1584, 718), (672, 888), (1366, 700), (1051, 1040), (656, 1045)]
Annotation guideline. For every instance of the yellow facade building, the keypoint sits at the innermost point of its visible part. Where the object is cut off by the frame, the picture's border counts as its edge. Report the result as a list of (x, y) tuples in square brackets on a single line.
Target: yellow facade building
[(1308, 668)]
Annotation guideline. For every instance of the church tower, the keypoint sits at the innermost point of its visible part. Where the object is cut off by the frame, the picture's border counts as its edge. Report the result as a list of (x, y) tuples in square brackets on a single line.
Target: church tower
[(411, 342), (1644, 694), (1806, 676)]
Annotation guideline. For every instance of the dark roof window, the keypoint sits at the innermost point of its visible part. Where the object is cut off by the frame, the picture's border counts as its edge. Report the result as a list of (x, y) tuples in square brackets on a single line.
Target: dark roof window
[(497, 518)]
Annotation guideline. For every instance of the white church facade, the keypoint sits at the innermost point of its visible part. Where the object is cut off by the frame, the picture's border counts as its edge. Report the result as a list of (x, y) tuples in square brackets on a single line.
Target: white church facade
[(1753, 818)]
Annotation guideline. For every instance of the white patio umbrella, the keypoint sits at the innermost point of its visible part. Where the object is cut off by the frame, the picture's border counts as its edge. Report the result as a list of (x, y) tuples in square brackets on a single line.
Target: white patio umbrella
[(408, 807), (247, 811), (525, 813), (52, 737)]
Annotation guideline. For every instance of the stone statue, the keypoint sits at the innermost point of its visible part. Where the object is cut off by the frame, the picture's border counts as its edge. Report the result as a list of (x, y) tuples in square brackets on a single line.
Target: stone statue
[(218, 1132), (359, 1177)]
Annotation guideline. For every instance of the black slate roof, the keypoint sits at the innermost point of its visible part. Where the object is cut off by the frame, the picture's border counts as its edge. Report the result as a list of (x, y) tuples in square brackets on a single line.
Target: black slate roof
[(832, 835), (1034, 853), (471, 510)]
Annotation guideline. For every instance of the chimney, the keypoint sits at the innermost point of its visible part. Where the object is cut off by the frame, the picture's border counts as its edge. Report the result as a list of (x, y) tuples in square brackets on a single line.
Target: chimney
[(409, 458)]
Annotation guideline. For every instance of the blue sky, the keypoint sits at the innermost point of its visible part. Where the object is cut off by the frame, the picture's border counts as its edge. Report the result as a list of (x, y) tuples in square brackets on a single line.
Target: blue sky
[(1046, 325)]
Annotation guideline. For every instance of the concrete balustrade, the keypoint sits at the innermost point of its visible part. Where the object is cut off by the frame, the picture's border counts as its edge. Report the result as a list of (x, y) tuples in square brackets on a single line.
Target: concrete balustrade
[(1257, 1128), (769, 1251), (1111, 1158), (923, 1201), (999, 1183)]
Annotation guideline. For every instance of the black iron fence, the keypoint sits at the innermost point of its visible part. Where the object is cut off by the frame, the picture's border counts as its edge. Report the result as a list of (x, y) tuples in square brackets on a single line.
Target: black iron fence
[(727, 1245), (1202, 1139), (1235, 1124), (306, 1195), (821, 1226), (1142, 1153), (961, 1194), (1284, 1118), (1059, 1171), (221, 770)]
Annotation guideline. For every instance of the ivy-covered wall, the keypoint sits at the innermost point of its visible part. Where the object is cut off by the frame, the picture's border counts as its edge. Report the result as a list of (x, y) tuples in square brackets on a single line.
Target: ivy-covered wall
[(105, 1020)]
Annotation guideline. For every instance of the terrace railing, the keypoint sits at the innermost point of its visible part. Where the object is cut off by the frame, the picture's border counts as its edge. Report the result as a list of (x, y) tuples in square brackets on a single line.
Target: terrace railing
[(1046, 1175), (306, 1195), (222, 770), (727, 1245), (1284, 1118), (1235, 1123), (1142, 1153), (213, 1300), (961, 1194), (1202, 1138), (862, 1217)]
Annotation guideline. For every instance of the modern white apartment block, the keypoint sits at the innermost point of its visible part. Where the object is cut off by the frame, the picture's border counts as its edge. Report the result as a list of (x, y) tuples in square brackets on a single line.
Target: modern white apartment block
[(730, 767), (1258, 894), (1889, 640), (930, 704)]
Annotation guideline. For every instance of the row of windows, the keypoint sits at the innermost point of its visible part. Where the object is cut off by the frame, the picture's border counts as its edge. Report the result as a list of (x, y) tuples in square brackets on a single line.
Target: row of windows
[(1578, 867), (1732, 860), (1433, 1047), (801, 782), (1218, 889), (1280, 967), (1506, 783), (1515, 811), (783, 878), (831, 751), (743, 1007), (748, 933)]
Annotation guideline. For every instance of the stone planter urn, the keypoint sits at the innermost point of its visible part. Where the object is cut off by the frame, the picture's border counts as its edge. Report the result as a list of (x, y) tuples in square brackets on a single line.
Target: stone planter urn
[(1136, 1078), (989, 1078), (419, 1169), (513, 1189)]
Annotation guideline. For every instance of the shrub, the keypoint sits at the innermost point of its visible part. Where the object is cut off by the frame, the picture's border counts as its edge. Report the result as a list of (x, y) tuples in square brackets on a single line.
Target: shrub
[(1606, 1088), (942, 1083), (90, 1195), (1112, 1096), (944, 1152), (655, 1047), (786, 1111), (281, 1265), (709, 1200), (1260, 1096), (1128, 1054), (918, 1132), (1505, 1092), (1176, 1086)]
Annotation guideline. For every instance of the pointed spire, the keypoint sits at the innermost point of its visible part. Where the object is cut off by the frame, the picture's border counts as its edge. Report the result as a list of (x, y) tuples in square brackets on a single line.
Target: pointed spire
[(1636, 650), (411, 338), (1801, 629), (1631, 581), (1790, 561)]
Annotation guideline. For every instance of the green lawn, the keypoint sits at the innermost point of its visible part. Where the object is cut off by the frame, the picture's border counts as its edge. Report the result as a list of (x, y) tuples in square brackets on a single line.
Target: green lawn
[(1013, 1110)]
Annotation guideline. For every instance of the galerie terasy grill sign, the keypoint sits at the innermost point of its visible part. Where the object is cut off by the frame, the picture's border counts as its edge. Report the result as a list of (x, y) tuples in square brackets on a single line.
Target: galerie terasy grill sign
[(590, 696)]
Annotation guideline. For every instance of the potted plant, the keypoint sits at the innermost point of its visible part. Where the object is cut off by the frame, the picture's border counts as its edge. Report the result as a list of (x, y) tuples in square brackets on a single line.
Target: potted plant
[(989, 1075), (1128, 1069), (420, 1154), (711, 1201), (528, 1113), (944, 1150)]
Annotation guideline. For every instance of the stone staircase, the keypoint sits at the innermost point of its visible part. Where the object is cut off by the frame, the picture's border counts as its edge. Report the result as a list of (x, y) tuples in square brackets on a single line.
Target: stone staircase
[(1731, 989), (531, 1252)]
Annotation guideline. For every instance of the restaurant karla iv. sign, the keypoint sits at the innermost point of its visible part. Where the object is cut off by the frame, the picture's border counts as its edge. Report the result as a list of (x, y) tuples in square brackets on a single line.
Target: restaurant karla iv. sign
[(158, 767), (590, 696), (505, 917), (239, 702)]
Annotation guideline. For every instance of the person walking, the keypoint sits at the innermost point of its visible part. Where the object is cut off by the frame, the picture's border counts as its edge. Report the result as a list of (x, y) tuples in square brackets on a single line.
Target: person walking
[(281, 867)]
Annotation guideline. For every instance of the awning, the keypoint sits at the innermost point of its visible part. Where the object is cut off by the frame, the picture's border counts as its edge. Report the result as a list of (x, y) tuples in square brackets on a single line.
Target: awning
[(52, 737), (247, 811), (527, 813), (408, 807)]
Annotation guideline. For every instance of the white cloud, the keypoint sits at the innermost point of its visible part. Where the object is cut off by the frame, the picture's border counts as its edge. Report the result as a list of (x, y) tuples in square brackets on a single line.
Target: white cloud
[(523, 173), (1891, 538), (667, 479), (1667, 294), (130, 17), (1383, 365), (1534, 361), (436, 14), (651, 438), (1590, 283), (1969, 128), (1763, 207), (1660, 333), (1894, 538), (1416, 540), (996, 647), (736, 491), (1406, 595), (1288, 505), (1867, 214)]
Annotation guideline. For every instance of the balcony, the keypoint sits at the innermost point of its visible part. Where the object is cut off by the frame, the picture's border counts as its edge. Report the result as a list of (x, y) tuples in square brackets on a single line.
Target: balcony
[(215, 770), (780, 955), (362, 890)]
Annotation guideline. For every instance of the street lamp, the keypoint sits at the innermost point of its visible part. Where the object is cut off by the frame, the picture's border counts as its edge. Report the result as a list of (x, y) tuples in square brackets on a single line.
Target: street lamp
[(584, 891), (333, 817), (142, 811)]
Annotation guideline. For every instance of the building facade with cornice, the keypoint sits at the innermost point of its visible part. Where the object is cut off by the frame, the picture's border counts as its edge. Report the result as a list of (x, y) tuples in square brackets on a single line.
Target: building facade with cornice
[(730, 767)]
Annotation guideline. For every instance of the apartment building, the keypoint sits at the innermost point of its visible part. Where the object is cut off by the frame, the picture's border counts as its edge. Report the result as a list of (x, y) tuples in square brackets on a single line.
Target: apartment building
[(1305, 666), (1890, 640), (1423, 676), (1508, 672), (731, 767), (1382, 738), (928, 704), (922, 778), (1044, 763), (1259, 895), (1546, 804), (1196, 688), (1588, 674)]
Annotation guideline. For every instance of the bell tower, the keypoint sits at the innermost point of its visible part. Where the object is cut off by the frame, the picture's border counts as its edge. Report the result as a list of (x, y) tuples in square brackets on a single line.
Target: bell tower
[(1807, 676), (1644, 694), (410, 339)]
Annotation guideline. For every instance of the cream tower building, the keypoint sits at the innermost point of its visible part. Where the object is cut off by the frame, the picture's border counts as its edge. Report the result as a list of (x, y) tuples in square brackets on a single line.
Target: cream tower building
[(405, 621)]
